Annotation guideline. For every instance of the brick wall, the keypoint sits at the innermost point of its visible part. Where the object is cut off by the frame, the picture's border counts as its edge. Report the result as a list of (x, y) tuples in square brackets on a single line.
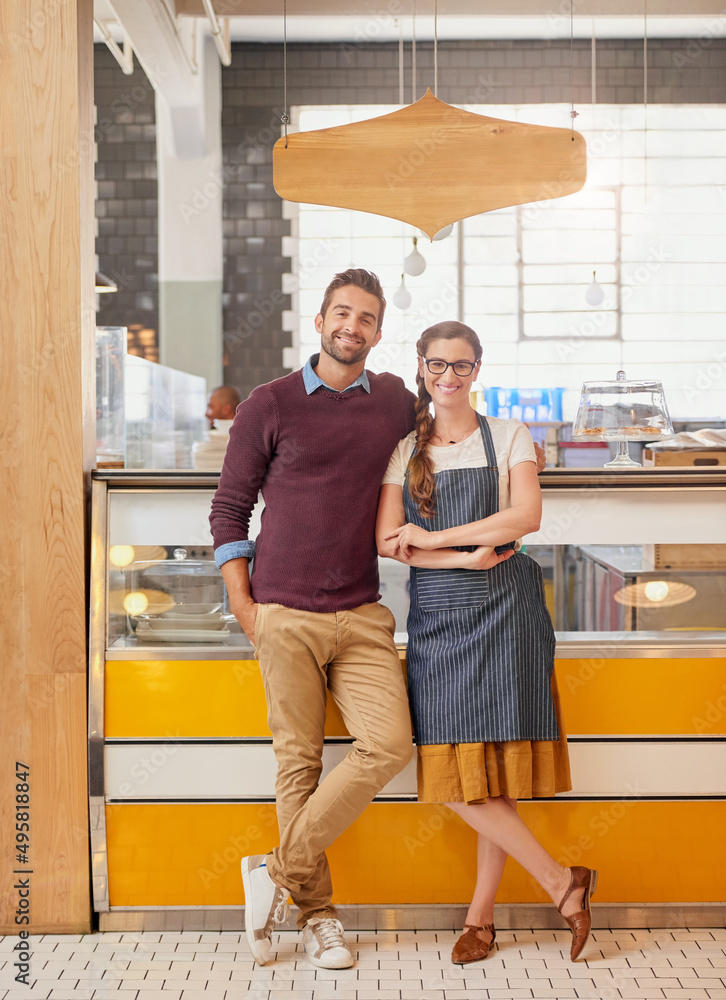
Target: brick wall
[(253, 261), (680, 71), (126, 205)]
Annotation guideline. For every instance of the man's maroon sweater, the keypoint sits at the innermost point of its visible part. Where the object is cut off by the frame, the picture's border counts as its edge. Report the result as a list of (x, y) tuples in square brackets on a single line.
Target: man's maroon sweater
[(319, 460)]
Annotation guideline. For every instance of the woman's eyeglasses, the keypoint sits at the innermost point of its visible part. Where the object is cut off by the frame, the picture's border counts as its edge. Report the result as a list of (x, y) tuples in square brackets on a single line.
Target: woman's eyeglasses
[(462, 368)]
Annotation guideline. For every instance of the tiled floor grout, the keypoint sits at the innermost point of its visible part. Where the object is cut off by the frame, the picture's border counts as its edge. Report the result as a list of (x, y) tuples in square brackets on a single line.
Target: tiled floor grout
[(673, 964)]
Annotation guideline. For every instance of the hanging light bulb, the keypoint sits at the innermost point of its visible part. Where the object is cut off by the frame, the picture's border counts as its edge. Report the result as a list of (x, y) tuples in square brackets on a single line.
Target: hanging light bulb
[(402, 296), (442, 233), (594, 294), (104, 284), (414, 264), (656, 590)]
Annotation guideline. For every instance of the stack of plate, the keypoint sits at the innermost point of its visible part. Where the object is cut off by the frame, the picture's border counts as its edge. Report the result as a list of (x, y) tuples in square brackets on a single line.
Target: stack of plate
[(173, 626)]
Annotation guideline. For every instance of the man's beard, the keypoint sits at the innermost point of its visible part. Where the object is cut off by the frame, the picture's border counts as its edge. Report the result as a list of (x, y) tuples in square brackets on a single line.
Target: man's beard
[(330, 347)]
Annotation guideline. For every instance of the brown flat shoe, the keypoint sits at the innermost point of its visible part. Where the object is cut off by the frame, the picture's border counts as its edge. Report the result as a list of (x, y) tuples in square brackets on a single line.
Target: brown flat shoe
[(580, 921), (471, 947)]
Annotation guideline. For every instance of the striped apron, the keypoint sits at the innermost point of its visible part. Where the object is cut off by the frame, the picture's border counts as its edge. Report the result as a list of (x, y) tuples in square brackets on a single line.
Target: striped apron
[(480, 642)]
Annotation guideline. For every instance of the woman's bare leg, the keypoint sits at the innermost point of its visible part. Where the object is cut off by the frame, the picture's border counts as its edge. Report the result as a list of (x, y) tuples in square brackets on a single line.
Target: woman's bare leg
[(504, 827), (490, 867)]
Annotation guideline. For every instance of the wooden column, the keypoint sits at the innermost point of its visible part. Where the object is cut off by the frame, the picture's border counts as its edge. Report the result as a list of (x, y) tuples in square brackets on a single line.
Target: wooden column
[(47, 319)]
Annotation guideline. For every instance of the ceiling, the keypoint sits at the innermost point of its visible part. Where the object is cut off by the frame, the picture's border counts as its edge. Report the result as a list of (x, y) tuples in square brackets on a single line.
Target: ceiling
[(355, 21), (464, 8)]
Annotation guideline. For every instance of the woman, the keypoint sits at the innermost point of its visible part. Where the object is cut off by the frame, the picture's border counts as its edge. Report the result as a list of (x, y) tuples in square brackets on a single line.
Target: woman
[(458, 489)]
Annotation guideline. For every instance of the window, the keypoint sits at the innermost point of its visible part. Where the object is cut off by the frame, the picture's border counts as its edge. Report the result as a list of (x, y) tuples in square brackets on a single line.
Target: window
[(653, 227)]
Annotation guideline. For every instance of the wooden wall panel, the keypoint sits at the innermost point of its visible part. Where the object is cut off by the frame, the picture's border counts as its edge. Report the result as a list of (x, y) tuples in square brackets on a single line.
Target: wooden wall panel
[(46, 324), (57, 722)]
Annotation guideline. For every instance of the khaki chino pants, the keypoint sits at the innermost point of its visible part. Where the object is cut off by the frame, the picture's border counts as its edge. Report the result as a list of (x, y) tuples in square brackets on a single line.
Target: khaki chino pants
[(302, 655)]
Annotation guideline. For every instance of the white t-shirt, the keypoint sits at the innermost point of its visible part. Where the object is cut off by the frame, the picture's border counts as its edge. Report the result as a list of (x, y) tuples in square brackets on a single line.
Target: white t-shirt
[(512, 445)]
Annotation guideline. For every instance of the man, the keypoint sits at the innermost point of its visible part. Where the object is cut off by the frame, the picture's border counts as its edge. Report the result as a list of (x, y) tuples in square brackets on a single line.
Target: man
[(223, 401), (317, 442), (208, 455)]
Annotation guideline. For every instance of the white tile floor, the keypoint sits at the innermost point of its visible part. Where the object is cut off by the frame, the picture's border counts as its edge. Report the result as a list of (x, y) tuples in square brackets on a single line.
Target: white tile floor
[(407, 965)]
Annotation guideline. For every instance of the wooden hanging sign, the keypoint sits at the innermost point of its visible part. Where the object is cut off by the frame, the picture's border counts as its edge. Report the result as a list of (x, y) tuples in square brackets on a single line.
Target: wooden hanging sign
[(429, 164)]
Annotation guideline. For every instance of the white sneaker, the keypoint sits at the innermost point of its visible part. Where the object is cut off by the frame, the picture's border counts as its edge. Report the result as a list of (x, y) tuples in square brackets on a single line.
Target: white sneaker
[(325, 945), (265, 905)]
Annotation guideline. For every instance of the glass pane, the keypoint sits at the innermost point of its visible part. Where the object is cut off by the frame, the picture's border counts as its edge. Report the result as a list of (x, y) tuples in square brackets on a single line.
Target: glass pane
[(166, 594), (635, 588), (618, 590)]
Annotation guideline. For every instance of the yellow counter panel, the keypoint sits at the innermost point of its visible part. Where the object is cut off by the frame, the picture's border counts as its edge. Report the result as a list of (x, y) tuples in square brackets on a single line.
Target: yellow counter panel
[(404, 853), (225, 698)]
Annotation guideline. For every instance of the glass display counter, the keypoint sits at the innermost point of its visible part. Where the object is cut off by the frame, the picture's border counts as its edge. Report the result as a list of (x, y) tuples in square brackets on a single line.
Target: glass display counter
[(181, 763), (148, 416)]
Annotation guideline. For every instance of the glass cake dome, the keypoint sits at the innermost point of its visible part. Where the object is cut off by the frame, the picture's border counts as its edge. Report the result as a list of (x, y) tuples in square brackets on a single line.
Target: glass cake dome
[(622, 411)]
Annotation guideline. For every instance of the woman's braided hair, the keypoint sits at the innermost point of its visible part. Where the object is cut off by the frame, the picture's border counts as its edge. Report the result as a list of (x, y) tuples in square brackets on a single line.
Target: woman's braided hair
[(421, 484)]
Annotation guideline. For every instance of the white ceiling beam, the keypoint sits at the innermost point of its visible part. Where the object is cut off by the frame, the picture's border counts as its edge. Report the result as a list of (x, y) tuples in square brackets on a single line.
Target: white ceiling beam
[(219, 34), (166, 49), (124, 57), (467, 8), (549, 26)]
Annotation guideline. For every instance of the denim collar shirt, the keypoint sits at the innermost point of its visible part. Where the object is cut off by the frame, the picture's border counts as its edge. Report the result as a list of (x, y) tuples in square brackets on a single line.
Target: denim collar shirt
[(313, 381)]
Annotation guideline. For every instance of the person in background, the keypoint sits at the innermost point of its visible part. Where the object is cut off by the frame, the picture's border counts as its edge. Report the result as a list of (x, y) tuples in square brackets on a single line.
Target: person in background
[(223, 402), (208, 455), (458, 490)]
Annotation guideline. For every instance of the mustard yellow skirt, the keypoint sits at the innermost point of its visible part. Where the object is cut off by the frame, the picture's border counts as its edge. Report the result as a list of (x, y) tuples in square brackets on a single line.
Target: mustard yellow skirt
[(520, 769)]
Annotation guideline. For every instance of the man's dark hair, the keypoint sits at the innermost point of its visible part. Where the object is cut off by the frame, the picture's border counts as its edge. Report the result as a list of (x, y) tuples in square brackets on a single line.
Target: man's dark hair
[(361, 278)]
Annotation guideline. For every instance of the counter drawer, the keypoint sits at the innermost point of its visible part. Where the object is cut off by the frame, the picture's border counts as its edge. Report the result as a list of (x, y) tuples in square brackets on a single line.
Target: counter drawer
[(405, 853), (179, 699)]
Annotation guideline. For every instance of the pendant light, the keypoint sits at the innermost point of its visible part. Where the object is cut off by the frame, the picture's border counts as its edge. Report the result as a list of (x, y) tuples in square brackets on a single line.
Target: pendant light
[(655, 594), (402, 296), (443, 233), (415, 263), (594, 294), (104, 284)]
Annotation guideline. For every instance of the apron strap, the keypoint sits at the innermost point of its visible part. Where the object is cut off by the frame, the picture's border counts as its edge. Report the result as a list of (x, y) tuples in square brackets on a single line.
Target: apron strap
[(488, 441), (491, 455)]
